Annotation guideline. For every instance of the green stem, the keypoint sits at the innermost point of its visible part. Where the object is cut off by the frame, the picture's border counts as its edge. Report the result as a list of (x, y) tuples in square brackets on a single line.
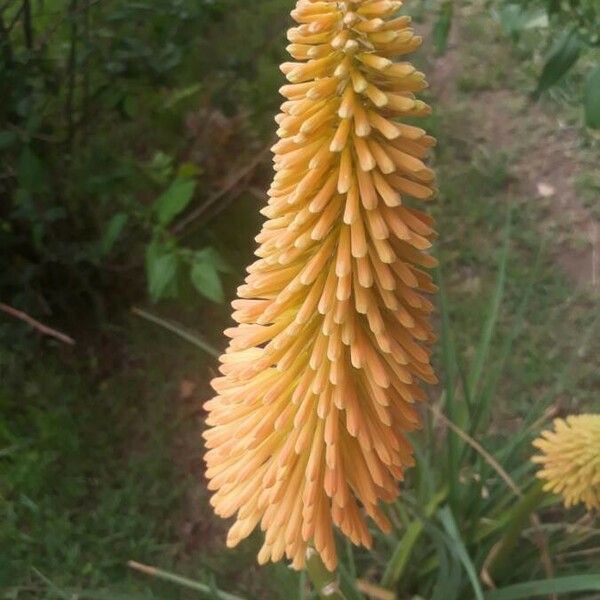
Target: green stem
[(325, 582), (183, 581), (193, 338), (517, 522)]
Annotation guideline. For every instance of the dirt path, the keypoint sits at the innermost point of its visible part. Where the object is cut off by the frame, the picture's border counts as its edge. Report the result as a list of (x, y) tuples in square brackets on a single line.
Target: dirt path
[(545, 157)]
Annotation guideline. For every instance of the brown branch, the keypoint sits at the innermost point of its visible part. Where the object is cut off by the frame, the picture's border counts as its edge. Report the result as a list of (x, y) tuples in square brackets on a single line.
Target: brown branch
[(229, 186), (480, 450), (44, 329), (147, 570)]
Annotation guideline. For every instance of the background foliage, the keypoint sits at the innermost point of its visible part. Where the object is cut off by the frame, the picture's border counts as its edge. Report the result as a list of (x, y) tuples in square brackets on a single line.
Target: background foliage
[(134, 142), (96, 163)]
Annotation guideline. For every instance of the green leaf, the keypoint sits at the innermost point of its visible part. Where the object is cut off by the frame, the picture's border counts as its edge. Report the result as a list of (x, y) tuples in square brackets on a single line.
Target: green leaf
[(485, 398), (302, 586), (131, 106), (210, 254), (441, 29), (31, 171), (205, 277), (182, 94), (514, 19), (561, 58), (559, 585), (161, 270), (160, 168), (7, 139), (174, 200), (591, 100), (511, 16), (212, 584), (536, 20), (188, 170), (111, 233)]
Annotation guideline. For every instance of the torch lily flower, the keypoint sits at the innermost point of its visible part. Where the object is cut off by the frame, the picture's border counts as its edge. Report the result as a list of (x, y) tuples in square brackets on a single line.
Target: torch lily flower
[(570, 460), (307, 431)]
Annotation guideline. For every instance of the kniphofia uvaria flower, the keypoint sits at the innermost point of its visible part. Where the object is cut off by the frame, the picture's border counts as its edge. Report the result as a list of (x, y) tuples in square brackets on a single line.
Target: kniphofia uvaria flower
[(570, 459), (321, 375)]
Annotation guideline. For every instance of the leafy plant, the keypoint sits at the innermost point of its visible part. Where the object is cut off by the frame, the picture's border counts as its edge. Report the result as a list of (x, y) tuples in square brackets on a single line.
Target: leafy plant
[(472, 495), (166, 260), (89, 92), (573, 27), (571, 30)]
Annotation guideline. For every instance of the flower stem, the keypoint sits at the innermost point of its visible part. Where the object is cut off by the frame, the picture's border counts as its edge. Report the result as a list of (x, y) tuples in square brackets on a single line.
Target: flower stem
[(324, 581), (519, 518)]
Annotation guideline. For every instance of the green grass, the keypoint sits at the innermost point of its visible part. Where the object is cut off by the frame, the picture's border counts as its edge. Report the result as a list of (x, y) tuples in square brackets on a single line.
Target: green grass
[(85, 463), (96, 459), (474, 203)]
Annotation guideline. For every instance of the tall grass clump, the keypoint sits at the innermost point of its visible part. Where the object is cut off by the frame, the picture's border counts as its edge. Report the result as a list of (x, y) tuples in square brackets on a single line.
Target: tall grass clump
[(315, 417), (473, 520)]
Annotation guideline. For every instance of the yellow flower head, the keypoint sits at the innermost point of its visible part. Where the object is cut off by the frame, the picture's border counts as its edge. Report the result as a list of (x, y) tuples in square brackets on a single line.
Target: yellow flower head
[(321, 375), (570, 459)]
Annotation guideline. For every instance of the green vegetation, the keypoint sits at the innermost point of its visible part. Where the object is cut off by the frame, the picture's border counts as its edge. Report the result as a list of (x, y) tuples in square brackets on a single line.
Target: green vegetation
[(100, 464), (107, 113), (564, 33), (123, 119), (81, 472)]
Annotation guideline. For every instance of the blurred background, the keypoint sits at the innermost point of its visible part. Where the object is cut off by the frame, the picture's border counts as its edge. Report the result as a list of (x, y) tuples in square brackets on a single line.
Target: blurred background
[(134, 157)]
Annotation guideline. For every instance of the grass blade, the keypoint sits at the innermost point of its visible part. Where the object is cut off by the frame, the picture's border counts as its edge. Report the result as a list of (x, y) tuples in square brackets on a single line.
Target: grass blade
[(498, 561), (447, 519), (559, 585), (208, 590), (446, 563), (449, 368), (302, 586), (481, 412), (489, 389), (350, 557), (349, 584), (70, 594), (492, 316), (399, 561), (183, 333)]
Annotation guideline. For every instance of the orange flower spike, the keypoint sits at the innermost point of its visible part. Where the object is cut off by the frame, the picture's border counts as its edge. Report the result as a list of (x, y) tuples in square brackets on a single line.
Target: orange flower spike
[(318, 385)]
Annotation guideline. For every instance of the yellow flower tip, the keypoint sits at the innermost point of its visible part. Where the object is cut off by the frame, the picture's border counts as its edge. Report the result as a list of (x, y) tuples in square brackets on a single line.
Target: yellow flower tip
[(307, 430), (570, 459)]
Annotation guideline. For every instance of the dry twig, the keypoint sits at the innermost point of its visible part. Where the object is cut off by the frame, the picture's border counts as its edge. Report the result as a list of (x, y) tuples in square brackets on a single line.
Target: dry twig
[(37, 325), (228, 187)]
